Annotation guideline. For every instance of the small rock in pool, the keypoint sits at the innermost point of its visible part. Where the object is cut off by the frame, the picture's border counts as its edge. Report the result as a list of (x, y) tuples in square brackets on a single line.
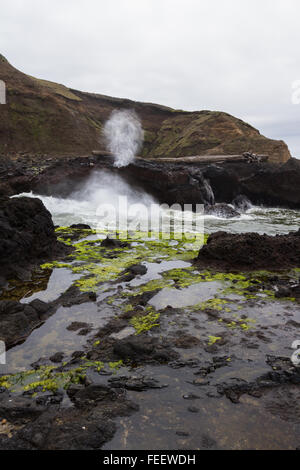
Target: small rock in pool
[(283, 292), (112, 243), (57, 357), (191, 396), (193, 409), (76, 325), (81, 226)]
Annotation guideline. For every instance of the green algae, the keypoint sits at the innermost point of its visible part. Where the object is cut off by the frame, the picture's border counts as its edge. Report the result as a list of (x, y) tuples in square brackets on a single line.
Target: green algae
[(99, 264), (54, 264), (115, 366), (143, 323), (155, 284), (242, 323), (52, 378), (18, 290), (210, 304), (188, 276), (128, 308), (213, 340)]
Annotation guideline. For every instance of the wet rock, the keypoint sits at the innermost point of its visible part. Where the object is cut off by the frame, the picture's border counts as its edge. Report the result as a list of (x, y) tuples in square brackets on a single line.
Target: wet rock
[(16, 321), (27, 235), (20, 408), (128, 331), (275, 186), (76, 325), (200, 382), (73, 389), (92, 296), (92, 394), (241, 203), (182, 434), (40, 306), (190, 396), (283, 292), (132, 272), (250, 251), (85, 331), (138, 269), (223, 181), (43, 361), (285, 374), (67, 429), (80, 227), (139, 384), (207, 194), (73, 296), (78, 355), (222, 210), (112, 243), (46, 399), (207, 442), (57, 357), (142, 348), (186, 341), (193, 409)]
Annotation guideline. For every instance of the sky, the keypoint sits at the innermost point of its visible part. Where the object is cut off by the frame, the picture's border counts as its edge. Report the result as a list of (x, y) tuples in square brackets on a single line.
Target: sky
[(242, 57)]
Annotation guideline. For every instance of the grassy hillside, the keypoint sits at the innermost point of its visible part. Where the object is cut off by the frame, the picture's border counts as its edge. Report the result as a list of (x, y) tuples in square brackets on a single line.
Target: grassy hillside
[(47, 118)]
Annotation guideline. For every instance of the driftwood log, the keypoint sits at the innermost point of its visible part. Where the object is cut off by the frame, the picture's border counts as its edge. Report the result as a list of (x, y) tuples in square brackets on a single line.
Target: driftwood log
[(246, 157)]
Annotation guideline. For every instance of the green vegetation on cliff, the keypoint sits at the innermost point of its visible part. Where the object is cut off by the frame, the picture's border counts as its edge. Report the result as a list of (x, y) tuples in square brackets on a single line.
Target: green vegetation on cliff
[(49, 118)]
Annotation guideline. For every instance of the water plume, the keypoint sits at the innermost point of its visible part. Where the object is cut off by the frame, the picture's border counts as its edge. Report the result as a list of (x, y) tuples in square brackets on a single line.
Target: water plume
[(124, 136)]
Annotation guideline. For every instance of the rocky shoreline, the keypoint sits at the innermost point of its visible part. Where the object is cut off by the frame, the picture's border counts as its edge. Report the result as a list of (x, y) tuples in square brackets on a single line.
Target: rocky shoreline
[(209, 328), (250, 251), (261, 183), (193, 341)]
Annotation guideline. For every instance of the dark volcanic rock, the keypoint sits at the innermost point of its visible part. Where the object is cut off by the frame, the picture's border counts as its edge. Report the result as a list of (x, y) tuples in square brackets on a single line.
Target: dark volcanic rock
[(242, 203), (132, 272), (250, 251), (80, 226), (142, 348), (222, 210), (16, 321), (278, 186), (197, 183), (57, 357), (86, 426), (112, 243), (223, 182), (138, 384), (27, 235)]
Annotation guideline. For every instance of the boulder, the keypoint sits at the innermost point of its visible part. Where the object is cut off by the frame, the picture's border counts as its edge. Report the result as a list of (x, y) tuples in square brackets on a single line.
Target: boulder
[(222, 210), (16, 321), (241, 203), (27, 236), (250, 251)]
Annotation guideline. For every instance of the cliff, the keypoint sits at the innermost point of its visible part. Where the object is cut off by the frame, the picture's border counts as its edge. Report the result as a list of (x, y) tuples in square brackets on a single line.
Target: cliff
[(43, 117)]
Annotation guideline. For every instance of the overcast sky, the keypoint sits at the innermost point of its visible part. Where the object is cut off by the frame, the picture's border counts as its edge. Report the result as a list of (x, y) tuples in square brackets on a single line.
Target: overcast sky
[(238, 56)]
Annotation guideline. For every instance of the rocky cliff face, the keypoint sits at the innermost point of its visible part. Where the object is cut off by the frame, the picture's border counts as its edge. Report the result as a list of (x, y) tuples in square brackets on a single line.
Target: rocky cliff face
[(42, 117), (27, 237)]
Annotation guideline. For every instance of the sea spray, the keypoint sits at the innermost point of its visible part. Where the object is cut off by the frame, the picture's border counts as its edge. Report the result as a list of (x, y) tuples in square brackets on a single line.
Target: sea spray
[(100, 188), (124, 136)]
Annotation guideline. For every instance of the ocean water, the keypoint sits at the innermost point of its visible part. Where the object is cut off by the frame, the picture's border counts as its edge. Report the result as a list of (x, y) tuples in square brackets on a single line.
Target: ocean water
[(107, 201)]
